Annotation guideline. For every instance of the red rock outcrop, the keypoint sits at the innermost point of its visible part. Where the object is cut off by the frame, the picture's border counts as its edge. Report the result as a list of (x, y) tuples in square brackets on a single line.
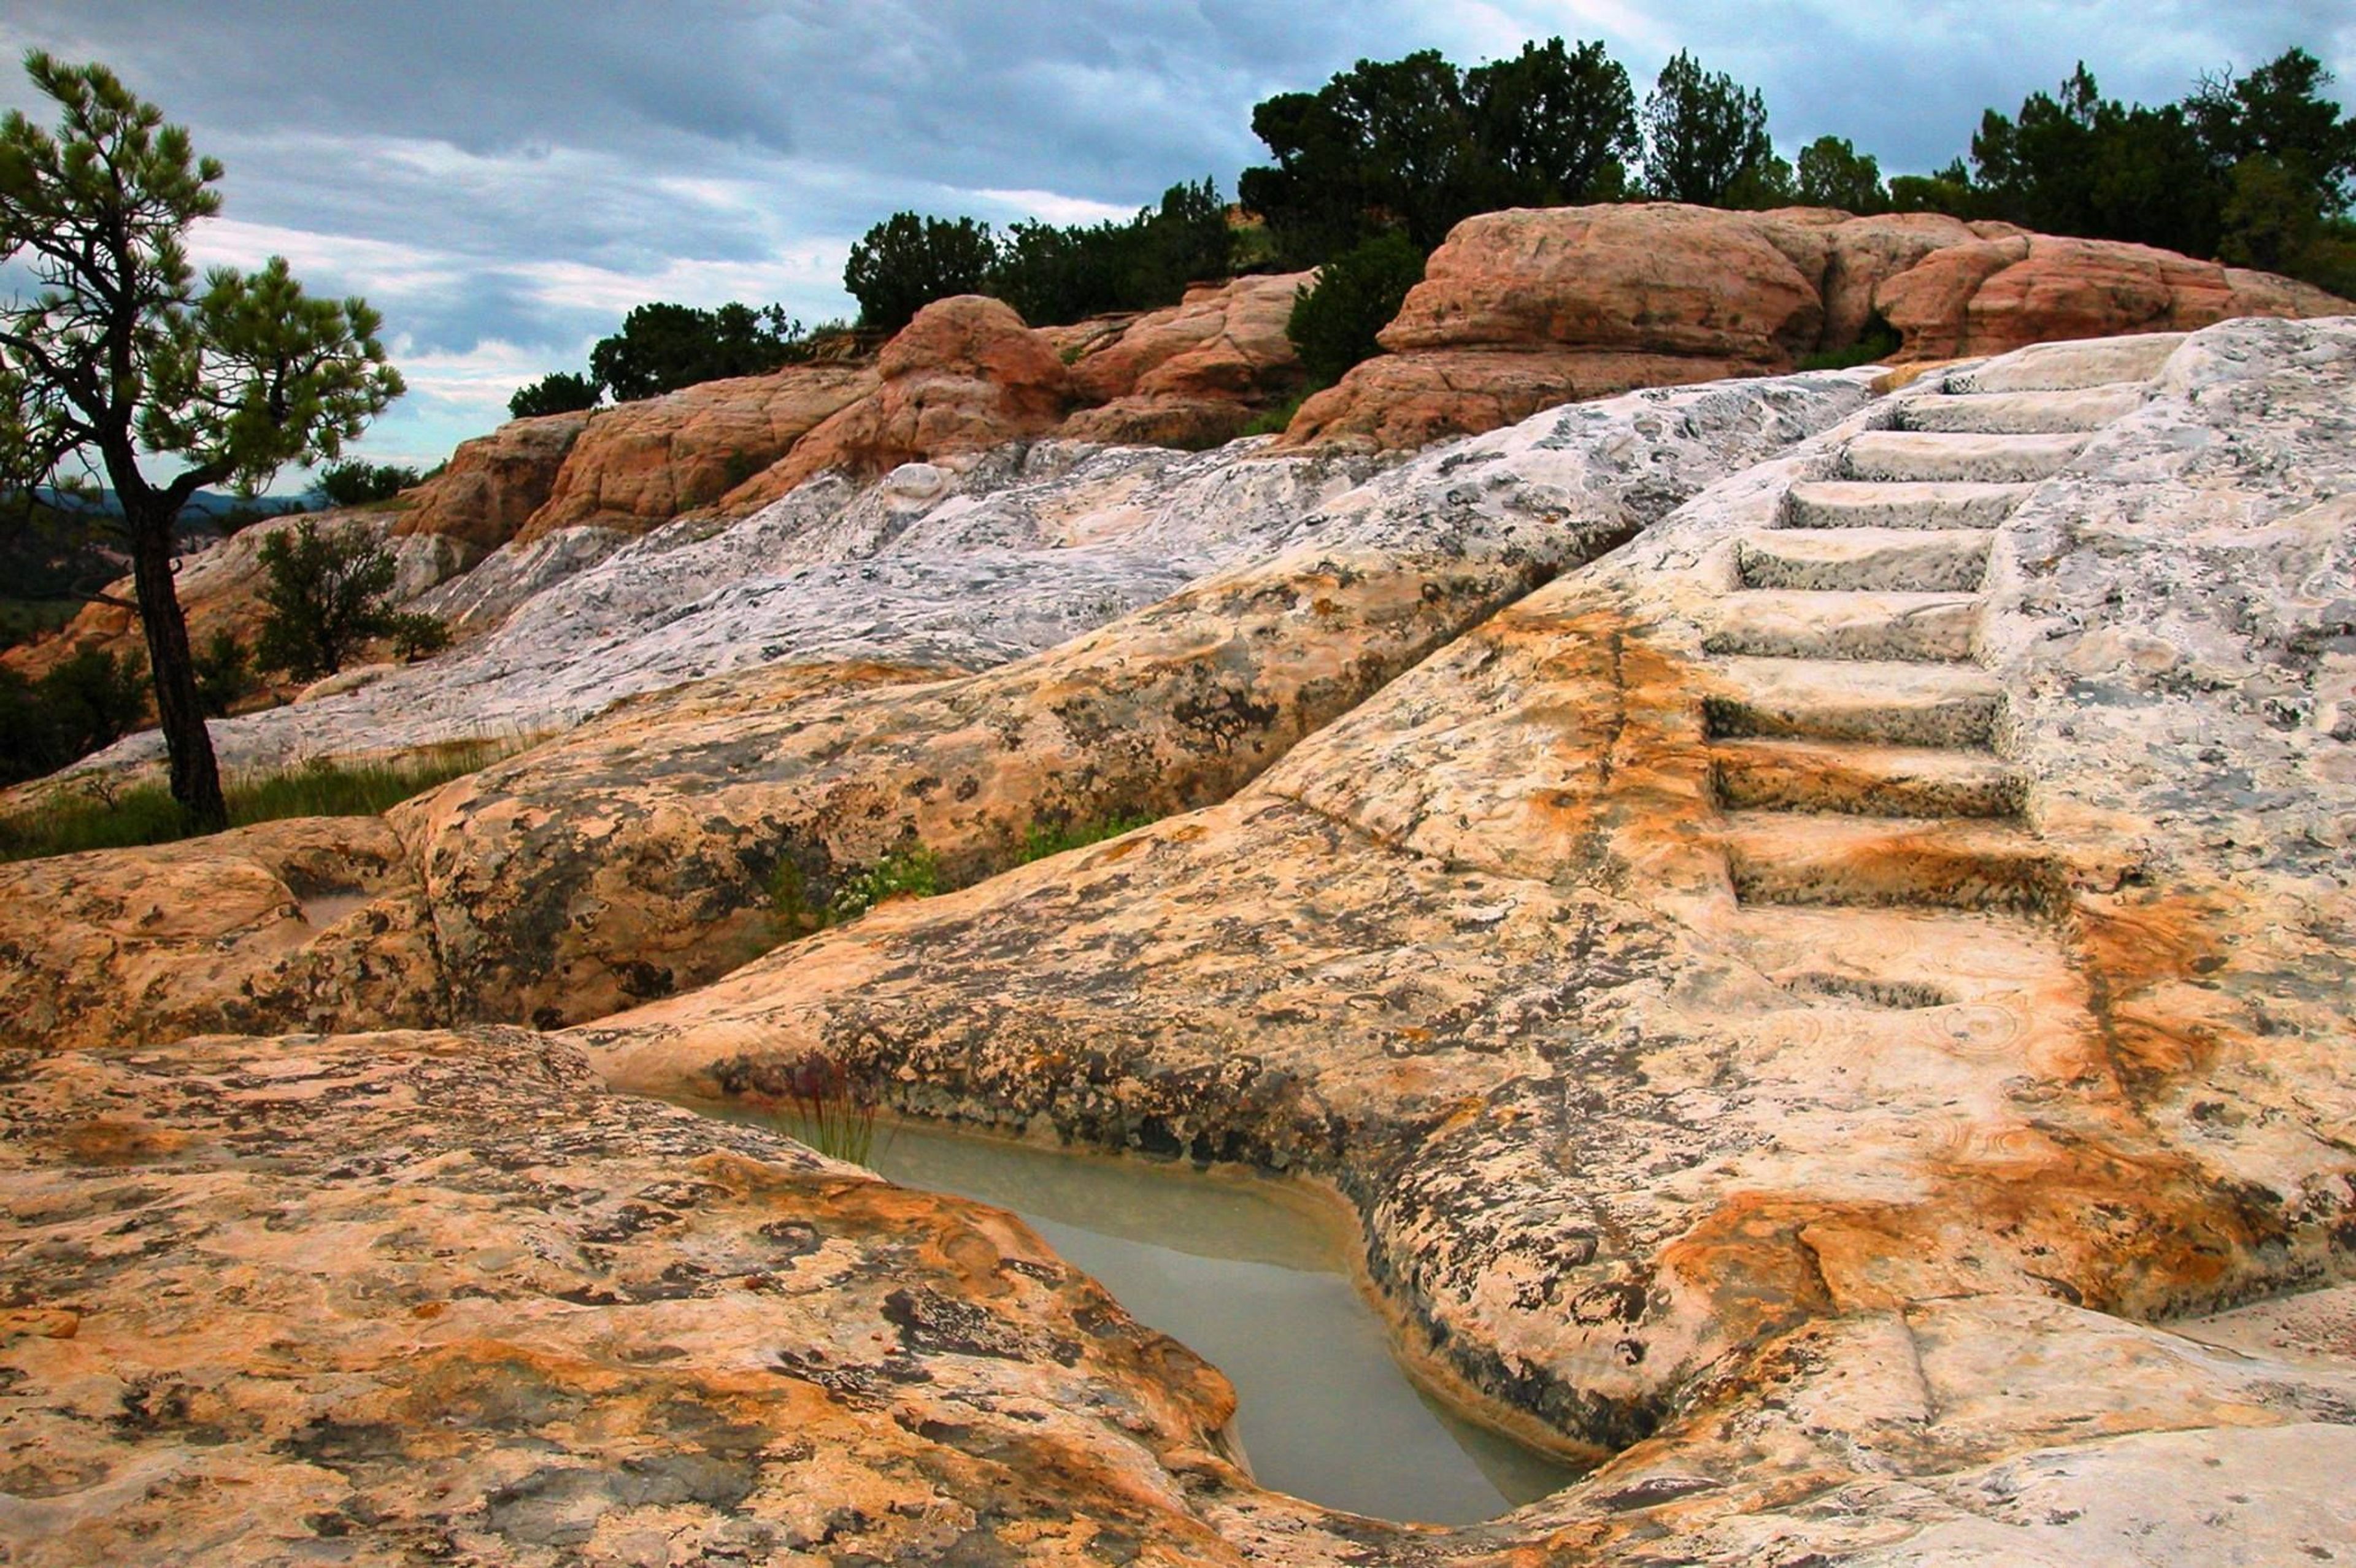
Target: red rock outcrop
[(1192, 374), (1523, 308), (964, 376), (494, 482), (643, 463)]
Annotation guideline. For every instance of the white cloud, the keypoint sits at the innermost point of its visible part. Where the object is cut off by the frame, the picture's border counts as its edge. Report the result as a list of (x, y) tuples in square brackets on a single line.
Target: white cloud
[(1058, 209)]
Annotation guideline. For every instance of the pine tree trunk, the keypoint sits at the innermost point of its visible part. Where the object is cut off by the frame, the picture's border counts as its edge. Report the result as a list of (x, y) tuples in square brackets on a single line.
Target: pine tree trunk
[(196, 777)]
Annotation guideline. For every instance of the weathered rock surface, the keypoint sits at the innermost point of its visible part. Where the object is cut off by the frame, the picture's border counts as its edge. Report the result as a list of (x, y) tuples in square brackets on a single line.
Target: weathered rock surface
[(638, 855), (643, 463), (965, 375), (495, 482), (1194, 374), (1841, 1000), (1679, 962), (393, 1298), (1528, 306)]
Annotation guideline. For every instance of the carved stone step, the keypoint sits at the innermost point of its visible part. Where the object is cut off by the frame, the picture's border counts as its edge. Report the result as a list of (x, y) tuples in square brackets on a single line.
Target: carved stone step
[(2068, 366), (1955, 705), (1776, 857), (1858, 780), (1783, 623), (2023, 413), (1863, 504), (1913, 456), (1870, 560)]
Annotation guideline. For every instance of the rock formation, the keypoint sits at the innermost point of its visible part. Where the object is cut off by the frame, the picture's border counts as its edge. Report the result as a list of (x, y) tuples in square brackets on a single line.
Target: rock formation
[(1525, 308), (1838, 1002), (1194, 374), (495, 482)]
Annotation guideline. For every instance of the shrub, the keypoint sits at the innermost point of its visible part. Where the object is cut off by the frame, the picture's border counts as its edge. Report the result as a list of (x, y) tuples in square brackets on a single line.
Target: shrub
[(87, 702), (224, 673), (827, 1109), (1879, 341), (1333, 326), (325, 598), (416, 637), (911, 872), (558, 392), (1045, 839), (357, 484)]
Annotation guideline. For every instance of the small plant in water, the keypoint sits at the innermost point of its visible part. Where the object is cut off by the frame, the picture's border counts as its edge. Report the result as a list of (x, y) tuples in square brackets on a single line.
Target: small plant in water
[(828, 1109)]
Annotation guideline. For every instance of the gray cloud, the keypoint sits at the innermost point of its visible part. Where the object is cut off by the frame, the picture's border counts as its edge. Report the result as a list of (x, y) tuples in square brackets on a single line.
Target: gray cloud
[(505, 180)]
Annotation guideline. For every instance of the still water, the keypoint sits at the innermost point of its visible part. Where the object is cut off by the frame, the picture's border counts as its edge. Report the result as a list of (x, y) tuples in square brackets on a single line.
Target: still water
[(1256, 1282)]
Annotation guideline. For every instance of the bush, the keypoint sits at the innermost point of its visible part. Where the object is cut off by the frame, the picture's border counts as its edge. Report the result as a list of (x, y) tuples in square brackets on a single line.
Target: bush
[(325, 598), (88, 702), (558, 392), (1045, 839), (911, 872), (1333, 324), (1879, 341), (357, 484), (416, 637), (224, 673), (663, 347)]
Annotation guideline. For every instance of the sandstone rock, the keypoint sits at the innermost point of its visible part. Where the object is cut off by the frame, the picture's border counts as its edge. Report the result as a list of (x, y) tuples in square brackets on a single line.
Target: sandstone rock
[(495, 482), (1996, 296), (1192, 374), (435, 1294), (274, 927), (1521, 308), (964, 376), (1677, 962), (645, 462), (636, 857)]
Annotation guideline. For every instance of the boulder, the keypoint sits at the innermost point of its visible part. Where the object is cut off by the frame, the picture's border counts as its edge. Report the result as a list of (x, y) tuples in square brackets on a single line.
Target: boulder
[(1192, 374), (1992, 296), (494, 482), (643, 463), (1522, 307), (966, 375)]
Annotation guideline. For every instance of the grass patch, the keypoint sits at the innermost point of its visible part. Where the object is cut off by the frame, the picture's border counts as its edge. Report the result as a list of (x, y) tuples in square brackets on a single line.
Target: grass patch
[(1046, 839), (112, 817), (913, 872), (1879, 341), (1277, 420)]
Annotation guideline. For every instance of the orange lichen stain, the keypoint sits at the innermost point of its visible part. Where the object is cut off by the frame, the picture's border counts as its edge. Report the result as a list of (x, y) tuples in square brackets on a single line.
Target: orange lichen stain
[(1747, 1256), (109, 1141), (2136, 956)]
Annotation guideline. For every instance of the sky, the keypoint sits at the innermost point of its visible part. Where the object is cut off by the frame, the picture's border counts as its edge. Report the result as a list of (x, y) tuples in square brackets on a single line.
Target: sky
[(504, 180)]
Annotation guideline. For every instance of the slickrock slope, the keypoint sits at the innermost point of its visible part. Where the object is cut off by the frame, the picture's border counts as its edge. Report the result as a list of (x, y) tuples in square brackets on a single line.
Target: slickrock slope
[(1840, 1002), (495, 482), (1528, 308), (643, 463), (1904, 892), (638, 855)]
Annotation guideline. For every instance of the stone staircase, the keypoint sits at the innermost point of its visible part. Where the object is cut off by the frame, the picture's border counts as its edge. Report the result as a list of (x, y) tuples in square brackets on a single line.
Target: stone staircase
[(1876, 839)]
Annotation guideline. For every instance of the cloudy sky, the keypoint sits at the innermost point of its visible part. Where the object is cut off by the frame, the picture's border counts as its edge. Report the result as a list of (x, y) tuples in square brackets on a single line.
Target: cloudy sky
[(503, 179)]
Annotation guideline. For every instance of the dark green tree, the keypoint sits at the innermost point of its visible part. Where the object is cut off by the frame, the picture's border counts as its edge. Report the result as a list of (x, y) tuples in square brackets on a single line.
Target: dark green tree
[(1333, 324), (1832, 172), (360, 483), (116, 358), (558, 392), (662, 347), (907, 261), (1704, 132), (1554, 125), (327, 595), (224, 673)]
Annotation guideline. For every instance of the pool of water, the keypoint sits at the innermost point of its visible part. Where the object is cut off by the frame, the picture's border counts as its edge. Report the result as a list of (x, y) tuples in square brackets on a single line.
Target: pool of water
[(1254, 1279)]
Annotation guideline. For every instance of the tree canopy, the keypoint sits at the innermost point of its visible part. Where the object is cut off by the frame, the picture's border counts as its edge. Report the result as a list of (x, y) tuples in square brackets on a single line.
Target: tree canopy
[(558, 392), (662, 347), (1705, 135), (118, 357), (907, 261)]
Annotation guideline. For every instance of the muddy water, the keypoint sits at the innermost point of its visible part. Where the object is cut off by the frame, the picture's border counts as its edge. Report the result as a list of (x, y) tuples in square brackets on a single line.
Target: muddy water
[(1254, 1279)]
